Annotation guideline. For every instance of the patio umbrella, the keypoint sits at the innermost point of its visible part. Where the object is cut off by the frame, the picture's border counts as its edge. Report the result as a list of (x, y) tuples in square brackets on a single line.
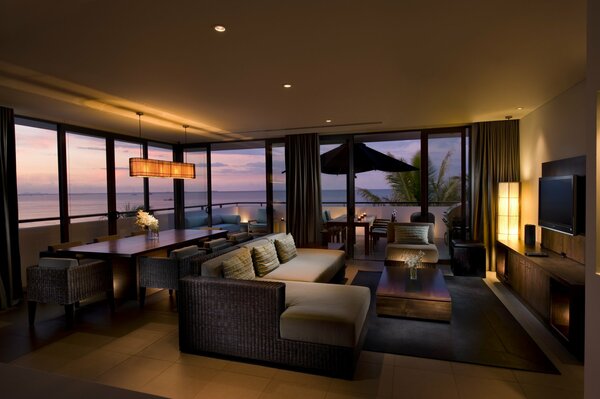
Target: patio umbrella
[(335, 162)]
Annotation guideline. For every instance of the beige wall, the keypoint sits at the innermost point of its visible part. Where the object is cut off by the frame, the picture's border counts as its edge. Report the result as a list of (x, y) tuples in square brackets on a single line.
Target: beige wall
[(554, 131)]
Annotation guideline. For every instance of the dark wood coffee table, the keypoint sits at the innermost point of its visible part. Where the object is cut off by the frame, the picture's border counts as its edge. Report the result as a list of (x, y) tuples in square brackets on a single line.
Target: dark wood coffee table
[(426, 298)]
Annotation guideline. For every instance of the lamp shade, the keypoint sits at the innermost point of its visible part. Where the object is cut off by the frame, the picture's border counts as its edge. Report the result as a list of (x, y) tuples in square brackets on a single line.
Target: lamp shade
[(142, 167), (508, 211)]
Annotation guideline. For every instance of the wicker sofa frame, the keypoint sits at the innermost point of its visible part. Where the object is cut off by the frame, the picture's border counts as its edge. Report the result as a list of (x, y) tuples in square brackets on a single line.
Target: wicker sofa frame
[(240, 318)]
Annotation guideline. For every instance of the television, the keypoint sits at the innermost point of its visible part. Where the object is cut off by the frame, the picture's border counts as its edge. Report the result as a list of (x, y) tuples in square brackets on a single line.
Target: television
[(562, 204)]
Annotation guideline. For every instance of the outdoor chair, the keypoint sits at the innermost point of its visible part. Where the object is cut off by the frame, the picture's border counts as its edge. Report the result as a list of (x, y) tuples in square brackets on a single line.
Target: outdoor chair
[(67, 281), (160, 272), (259, 225), (378, 229), (418, 217)]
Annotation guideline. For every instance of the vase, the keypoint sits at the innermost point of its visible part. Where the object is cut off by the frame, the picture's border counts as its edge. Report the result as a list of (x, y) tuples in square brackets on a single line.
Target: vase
[(412, 272), (152, 234)]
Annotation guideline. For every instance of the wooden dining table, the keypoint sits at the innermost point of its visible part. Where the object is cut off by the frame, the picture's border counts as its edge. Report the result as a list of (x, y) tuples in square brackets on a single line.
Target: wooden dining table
[(123, 253), (366, 222)]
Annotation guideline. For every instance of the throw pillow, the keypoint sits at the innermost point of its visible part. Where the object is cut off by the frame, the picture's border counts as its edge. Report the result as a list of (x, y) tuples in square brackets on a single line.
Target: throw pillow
[(286, 248), (239, 266), (265, 259), (411, 235)]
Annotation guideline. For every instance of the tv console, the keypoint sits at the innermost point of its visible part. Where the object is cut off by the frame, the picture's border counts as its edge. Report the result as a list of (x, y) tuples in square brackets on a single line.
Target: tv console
[(552, 287)]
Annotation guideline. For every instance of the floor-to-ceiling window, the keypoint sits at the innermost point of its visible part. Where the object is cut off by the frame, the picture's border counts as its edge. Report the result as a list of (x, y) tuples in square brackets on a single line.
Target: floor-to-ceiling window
[(196, 190), (238, 179), (279, 189), (129, 191), (37, 173), (86, 185)]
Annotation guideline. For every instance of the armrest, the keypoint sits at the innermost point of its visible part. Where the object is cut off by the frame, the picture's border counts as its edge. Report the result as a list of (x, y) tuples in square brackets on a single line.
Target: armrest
[(226, 316)]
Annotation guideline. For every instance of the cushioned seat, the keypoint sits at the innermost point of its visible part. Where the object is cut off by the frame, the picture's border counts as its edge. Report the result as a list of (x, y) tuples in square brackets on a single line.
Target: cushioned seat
[(398, 251), (311, 264), (315, 313)]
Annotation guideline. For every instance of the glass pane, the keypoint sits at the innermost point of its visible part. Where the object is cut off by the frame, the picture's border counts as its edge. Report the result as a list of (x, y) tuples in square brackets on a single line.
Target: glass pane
[(238, 179), (130, 190), (37, 173), (333, 188), (279, 193), (196, 189), (161, 189), (86, 174)]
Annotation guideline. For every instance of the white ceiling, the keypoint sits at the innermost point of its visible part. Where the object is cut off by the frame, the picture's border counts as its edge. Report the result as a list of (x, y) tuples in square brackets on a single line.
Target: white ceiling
[(368, 66)]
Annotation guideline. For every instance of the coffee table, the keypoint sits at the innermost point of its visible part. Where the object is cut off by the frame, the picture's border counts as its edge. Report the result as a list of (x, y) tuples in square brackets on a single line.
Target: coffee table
[(426, 298)]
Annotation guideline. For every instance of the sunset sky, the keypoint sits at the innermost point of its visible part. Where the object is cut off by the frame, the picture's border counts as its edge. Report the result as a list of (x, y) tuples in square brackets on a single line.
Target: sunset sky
[(232, 170)]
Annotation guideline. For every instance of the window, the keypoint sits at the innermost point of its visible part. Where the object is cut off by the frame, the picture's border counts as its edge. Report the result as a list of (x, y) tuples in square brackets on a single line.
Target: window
[(37, 172), (161, 189), (129, 190), (86, 175), (196, 190)]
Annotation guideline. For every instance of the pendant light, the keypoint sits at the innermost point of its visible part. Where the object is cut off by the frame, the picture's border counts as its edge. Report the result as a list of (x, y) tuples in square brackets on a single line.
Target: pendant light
[(143, 167)]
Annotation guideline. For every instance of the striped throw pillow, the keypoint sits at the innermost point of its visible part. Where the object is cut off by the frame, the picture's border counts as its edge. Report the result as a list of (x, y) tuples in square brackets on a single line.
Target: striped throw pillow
[(411, 235), (286, 248), (265, 259), (239, 266)]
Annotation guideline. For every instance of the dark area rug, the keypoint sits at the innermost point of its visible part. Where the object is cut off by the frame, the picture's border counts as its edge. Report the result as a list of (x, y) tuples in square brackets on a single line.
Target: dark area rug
[(482, 331)]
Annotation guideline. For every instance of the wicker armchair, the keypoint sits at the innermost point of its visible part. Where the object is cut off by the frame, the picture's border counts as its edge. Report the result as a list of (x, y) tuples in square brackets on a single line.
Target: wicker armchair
[(66, 281), (155, 272)]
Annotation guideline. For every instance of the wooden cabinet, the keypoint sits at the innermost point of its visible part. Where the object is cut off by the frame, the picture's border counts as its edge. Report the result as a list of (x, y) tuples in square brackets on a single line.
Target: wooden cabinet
[(551, 287)]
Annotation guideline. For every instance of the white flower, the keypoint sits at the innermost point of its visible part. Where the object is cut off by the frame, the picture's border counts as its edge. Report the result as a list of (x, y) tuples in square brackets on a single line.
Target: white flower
[(146, 221)]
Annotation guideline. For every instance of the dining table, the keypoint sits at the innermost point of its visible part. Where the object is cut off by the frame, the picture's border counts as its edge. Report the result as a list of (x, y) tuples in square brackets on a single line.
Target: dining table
[(123, 253), (366, 222)]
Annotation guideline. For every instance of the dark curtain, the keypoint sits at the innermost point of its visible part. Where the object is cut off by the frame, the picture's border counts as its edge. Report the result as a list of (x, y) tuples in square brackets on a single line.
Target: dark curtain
[(494, 158), (303, 170), (10, 259)]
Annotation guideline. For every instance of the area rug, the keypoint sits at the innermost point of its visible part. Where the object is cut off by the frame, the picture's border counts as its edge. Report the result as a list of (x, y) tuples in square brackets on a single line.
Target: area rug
[(482, 331)]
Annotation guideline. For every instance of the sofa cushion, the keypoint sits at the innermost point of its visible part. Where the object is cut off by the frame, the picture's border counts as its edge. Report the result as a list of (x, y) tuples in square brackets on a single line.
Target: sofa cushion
[(265, 258), (216, 219), (58, 263), (286, 248), (214, 267), (239, 266), (324, 313), (311, 264), (411, 234), (196, 219), (391, 236), (184, 252)]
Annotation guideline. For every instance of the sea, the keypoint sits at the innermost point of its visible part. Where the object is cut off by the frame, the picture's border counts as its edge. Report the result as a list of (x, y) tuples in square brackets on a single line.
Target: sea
[(39, 205)]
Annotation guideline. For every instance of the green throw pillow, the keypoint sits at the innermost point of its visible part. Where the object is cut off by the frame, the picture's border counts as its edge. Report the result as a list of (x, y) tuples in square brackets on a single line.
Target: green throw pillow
[(265, 259), (239, 266), (416, 235), (286, 248)]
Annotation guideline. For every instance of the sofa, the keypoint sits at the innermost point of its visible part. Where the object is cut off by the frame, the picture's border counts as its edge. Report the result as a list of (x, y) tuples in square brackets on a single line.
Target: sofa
[(290, 316), (398, 248), (197, 219)]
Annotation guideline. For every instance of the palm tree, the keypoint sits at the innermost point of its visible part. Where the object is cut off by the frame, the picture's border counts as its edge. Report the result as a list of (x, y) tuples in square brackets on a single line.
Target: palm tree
[(406, 186)]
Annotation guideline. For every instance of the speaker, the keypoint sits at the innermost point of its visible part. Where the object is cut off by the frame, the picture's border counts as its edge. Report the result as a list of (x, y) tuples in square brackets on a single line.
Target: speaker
[(530, 235)]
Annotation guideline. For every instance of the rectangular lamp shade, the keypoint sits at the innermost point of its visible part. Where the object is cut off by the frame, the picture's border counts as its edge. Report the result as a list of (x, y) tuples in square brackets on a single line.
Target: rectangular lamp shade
[(142, 167), (508, 211)]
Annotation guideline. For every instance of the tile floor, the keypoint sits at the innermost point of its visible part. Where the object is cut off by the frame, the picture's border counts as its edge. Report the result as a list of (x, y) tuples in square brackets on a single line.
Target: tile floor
[(146, 358)]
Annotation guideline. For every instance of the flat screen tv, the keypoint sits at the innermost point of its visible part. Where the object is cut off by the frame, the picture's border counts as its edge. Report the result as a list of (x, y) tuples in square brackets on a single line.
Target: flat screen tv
[(562, 204)]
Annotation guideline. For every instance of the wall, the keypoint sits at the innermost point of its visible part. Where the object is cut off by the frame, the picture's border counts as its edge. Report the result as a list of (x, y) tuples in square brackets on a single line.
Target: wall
[(592, 279), (556, 130)]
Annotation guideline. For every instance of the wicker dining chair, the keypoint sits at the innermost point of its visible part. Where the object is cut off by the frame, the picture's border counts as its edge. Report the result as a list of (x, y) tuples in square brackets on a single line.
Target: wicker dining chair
[(67, 281), (160, 272)]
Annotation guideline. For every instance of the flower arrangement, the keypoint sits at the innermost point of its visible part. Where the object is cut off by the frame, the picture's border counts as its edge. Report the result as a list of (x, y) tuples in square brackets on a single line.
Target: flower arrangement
[(394, 215), (146, 221), (412, 262)]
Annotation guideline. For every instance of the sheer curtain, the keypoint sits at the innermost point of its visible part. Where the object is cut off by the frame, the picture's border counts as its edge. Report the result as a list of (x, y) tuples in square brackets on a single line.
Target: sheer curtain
[(303, 169), (494, 158), (10, 263)]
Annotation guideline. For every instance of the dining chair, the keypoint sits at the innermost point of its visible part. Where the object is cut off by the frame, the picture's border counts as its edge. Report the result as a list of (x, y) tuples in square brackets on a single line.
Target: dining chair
[(67, 281)]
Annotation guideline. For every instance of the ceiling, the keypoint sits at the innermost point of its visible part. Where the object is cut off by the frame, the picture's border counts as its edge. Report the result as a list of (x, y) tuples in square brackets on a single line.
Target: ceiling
[(366, 66)]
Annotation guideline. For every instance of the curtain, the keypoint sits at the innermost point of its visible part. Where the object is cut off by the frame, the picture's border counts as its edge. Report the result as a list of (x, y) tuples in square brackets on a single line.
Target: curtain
[(10, 263), (494, 158), (303, 170)]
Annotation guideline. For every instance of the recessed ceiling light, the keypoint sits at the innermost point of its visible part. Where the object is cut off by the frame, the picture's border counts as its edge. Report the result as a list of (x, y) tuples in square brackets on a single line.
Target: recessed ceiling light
[(220, 28), (287, 85), (327, 120), (519, 108)]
